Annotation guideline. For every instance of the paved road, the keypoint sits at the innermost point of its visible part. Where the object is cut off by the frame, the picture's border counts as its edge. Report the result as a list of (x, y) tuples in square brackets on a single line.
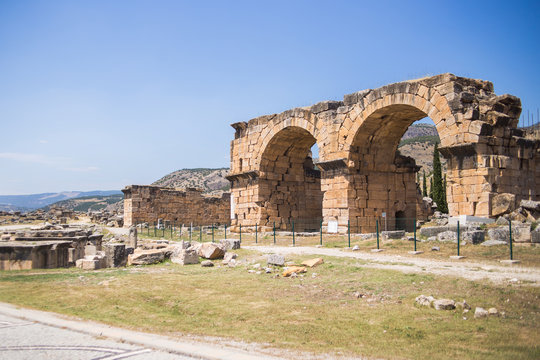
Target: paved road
[(31, 334), (23, 339)]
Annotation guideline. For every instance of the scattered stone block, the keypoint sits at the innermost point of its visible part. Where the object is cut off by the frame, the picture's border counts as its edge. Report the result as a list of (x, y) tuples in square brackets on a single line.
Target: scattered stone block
[(424, 300), (313, 262), (115, 255), (185, 256), (275, 259), (228, 257), (293, 270), (230, 244), (207, 263), (480, 313), (211, 251), (444, 304)]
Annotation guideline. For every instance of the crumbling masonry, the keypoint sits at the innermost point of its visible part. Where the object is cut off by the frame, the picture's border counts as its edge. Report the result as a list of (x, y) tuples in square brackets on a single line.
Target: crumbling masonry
[(145, 203), (360, 173)]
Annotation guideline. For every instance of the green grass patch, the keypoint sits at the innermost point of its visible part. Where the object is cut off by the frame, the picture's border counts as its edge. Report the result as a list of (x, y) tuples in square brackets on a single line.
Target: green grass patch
[(310, 313)]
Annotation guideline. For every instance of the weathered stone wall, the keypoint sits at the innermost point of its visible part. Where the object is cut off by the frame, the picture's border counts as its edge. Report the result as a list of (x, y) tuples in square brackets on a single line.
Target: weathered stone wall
[(362, 172), (144, 203)]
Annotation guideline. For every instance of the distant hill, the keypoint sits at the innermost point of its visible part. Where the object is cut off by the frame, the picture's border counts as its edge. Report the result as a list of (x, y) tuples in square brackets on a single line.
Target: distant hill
[(418, 143), (85, 203), (420, 130), (211, 181), (36, 201)]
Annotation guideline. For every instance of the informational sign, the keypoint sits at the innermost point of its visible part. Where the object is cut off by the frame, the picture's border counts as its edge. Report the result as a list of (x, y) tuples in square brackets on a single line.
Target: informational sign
[(332, 226), (232, 207), (383, 214)]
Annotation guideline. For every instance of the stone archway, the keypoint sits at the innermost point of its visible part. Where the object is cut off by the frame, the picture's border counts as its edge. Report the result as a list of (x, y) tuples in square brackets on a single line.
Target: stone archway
[(362, 174)]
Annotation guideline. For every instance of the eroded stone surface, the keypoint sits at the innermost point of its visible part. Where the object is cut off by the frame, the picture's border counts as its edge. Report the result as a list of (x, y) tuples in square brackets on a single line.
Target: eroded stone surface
[(361, 174)]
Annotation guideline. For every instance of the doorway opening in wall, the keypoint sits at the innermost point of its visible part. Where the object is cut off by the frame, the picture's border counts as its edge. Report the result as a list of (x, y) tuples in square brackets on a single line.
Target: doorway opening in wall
[(290, 182)]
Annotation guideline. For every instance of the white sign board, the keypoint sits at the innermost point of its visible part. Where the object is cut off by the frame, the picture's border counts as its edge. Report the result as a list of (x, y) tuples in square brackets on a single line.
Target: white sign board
[(383, 214), (332, 226), (232, 208)]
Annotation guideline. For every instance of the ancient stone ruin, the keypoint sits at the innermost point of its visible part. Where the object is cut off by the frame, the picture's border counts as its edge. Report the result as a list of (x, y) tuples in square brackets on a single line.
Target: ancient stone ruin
[(148, 204), (361, 174), (46, 248)]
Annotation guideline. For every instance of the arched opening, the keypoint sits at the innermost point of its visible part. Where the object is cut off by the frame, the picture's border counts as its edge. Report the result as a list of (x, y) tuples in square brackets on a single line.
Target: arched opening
[(384, 180), (289, 182)]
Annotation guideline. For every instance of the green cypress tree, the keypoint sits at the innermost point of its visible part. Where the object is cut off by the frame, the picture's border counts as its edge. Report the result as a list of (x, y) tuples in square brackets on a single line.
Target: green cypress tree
[(424, 185), (438, 191), (431, 187)]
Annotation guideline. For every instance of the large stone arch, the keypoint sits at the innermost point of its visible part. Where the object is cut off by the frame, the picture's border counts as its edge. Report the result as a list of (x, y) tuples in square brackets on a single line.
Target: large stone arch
[(362, 174)]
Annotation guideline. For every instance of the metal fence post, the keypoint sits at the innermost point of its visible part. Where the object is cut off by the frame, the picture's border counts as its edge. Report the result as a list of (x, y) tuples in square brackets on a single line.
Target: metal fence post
[(349, 231), (321, 232), (212, 232), (240, 232), (155, 229), (255, 233), (200, 233), (510, 231), (172, 228), (293, 240), (414, 234), (377, 230), (458, 238), (274, 233), (225, 231)]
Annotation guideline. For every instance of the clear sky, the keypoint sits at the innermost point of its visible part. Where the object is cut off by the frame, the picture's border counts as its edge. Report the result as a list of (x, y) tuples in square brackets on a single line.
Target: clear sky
[(102, 94)]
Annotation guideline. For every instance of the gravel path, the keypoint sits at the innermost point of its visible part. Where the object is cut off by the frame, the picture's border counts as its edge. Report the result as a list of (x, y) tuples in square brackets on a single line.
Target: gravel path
[(459, 268)]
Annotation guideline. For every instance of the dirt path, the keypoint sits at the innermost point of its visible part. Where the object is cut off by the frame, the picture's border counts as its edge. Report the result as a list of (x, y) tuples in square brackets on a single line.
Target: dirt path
[(460, 268)]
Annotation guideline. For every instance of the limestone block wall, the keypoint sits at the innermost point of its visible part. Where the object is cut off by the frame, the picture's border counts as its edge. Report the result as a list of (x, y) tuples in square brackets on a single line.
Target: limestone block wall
[(145, 203), (362, 173)]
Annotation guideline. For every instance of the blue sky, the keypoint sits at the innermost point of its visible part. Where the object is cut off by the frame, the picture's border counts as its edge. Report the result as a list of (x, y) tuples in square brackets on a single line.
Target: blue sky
[(102, 94)]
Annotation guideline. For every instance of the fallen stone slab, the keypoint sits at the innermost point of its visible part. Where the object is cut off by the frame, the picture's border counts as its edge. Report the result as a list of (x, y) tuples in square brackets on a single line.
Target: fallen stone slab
[(293, 270), (146, 257), (493, 243), (313, 262)]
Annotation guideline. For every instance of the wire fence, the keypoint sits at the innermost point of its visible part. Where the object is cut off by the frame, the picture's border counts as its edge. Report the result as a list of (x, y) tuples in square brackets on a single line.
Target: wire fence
[(375, 233)]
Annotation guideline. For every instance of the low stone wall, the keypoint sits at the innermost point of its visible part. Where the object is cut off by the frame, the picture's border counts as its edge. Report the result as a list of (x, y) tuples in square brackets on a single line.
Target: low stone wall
[(145, 203)]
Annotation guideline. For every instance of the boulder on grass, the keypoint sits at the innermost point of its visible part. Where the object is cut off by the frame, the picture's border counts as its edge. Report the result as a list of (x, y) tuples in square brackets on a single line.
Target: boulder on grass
[(211, 251)]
